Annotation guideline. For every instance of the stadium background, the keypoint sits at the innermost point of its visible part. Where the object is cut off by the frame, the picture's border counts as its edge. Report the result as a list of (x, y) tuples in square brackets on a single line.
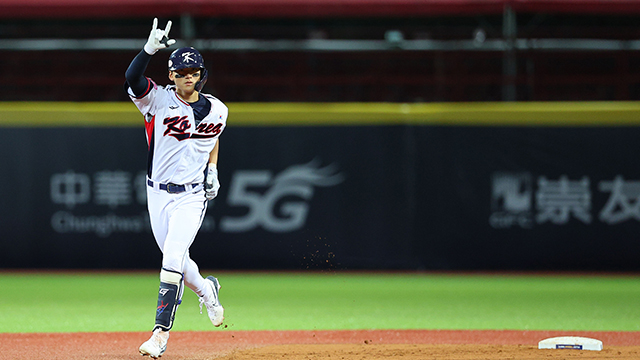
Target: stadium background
[(429, 135)]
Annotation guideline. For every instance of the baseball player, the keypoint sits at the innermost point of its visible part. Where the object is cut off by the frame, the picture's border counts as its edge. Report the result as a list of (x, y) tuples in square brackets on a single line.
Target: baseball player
[(182, 128)]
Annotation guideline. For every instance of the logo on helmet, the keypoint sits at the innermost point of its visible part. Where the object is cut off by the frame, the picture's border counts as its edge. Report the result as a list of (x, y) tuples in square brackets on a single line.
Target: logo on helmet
[(188, 57), (184, 58)]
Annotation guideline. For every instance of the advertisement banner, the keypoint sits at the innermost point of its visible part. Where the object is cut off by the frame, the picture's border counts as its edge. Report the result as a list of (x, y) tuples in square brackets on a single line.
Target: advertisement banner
[(336, 197)]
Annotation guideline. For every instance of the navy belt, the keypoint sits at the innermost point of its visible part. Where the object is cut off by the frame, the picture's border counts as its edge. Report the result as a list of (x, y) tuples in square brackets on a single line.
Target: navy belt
[(172, 188)]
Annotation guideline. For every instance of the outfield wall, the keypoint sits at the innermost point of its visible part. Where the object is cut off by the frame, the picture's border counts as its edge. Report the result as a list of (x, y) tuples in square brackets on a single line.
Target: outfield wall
[(470, 186)]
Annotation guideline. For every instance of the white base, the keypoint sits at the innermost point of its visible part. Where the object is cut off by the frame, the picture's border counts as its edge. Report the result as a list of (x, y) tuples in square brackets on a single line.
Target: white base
[(571, 342)]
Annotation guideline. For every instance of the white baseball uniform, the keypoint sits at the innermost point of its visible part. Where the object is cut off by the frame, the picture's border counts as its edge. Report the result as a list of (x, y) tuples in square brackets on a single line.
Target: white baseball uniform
[(178, 156)]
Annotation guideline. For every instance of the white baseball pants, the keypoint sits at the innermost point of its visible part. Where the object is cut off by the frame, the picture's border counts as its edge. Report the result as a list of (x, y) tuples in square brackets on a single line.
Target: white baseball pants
[(175, 221)]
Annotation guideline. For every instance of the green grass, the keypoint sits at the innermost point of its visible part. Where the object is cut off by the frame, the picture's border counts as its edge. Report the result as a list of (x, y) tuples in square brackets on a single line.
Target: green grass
[(59, 302)]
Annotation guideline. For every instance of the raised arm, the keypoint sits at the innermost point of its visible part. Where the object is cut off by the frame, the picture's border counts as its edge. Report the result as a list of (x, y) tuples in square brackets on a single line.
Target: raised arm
[(158, 39)]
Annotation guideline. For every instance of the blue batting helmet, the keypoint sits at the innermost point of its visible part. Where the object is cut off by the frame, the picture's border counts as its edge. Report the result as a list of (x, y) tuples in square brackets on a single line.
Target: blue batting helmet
[(188, 57)]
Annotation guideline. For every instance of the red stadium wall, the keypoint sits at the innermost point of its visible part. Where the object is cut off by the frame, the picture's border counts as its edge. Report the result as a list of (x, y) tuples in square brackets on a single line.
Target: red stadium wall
[(300, 8)]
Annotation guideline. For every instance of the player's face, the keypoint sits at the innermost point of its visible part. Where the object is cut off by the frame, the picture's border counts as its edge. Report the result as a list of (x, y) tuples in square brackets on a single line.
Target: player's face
[(185, 79)]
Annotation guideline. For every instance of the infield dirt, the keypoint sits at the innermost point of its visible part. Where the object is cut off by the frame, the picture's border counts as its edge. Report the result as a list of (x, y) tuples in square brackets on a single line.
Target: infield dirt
[(312, 345)]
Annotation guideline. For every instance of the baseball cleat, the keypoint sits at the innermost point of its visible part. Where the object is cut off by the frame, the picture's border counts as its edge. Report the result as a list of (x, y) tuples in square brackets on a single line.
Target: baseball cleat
[(214, 309), (156, 345)]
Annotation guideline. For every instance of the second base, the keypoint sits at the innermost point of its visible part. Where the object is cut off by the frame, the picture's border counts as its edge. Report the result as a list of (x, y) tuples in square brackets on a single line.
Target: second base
[(571, 342)]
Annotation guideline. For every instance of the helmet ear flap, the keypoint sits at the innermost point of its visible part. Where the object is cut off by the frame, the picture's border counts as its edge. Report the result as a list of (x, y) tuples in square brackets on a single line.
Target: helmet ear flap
[(203, 79)]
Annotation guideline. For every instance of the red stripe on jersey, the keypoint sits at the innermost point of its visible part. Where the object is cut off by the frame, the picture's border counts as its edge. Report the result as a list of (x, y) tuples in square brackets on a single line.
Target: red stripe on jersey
[(148, 127), (182, 101), (150, 85)]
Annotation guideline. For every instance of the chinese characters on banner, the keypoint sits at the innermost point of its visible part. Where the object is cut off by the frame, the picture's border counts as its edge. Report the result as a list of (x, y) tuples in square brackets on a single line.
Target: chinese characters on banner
[(111, 188), (515, 201)]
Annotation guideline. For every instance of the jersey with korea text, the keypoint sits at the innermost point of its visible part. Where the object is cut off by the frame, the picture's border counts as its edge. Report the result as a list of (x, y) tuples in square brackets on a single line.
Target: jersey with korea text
[(178, 148)]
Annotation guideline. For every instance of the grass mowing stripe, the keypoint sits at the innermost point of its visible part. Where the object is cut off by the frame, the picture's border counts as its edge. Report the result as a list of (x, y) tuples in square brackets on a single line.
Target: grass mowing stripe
[(50, 302)]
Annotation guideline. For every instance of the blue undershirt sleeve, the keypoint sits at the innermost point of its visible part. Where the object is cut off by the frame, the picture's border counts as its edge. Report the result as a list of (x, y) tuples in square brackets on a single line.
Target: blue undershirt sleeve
[(136, 80)]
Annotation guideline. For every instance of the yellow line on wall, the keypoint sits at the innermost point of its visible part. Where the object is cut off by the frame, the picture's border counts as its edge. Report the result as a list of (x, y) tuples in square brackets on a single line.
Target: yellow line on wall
[(125, 114)]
